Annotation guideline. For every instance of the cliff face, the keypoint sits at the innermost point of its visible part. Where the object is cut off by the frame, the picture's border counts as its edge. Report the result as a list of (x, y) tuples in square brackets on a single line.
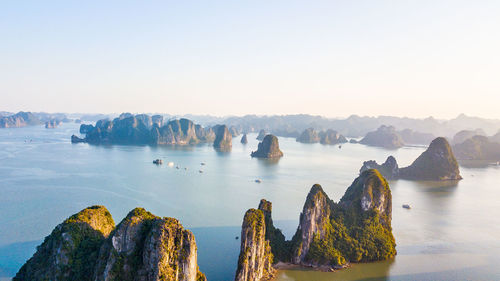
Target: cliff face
[(143, 129), (70, 251), (244, 139), (255, 261), (51, 124), (389, 169), (142, 247), (384, 136), (436, 163), (357, 229), (478, 148), (20, 119), (146, 247), (329, 235), (331, 137), (268, 148), (223, 139)]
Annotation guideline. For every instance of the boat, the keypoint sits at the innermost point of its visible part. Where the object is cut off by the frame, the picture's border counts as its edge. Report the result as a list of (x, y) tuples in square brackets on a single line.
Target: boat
[(158, 161), (200, 171), (406, 206), (170, 164), (258, 180), (202, 163)]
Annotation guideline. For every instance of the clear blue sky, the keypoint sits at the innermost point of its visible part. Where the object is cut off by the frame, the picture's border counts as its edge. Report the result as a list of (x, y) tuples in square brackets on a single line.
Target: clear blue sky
[(332, 58)]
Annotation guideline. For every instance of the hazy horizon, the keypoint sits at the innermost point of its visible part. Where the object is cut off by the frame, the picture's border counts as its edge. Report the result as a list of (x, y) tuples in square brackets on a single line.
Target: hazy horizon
[(329, 58)]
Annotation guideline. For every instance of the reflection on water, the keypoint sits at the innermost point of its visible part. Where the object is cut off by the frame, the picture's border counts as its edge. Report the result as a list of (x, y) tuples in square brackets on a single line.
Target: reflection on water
[(450, 233)]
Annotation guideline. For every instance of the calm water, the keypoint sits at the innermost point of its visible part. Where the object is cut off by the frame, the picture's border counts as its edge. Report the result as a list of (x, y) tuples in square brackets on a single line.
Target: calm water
[(452, 231)]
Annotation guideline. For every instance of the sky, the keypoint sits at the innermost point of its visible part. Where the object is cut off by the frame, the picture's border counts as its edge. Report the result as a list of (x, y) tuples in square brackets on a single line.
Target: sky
[(332, 58)]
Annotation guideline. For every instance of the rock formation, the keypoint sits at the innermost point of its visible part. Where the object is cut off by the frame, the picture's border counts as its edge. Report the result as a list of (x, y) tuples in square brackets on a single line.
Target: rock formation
[(464, 135), (477, 148), (268, 148), (87, 246), (255, 261), (308, 136), (329, 235), (234, 131), (145, 130), (223, 139), (244, 139), (20, 119), (331, 137), (436, 163), (389, 169), (70, 251), (384, 136), (75, 139), (262, 134), (53, 123)]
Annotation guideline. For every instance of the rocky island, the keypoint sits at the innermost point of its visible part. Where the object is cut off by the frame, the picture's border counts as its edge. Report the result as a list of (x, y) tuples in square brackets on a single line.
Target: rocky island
[(20, 119), (308, 136), (143, 129), (436, 163), (244, 139), (268, 148), (223, 138), (478, 148), (384, 136), (53, 123), (262, 134), (324, 137), (329, 236), (87, 246)]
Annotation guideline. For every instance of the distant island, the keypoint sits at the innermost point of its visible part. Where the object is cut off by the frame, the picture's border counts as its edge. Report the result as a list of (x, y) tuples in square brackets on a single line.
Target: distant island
[(88, 246), (25, 119), (436, 163), (329, 236), (268, 148), (310, 135), (478, 147), (384, 136), (143, 129)]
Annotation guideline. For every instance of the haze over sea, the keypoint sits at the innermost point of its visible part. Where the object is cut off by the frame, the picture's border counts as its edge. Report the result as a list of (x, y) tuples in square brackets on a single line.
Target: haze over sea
[(451, 232)]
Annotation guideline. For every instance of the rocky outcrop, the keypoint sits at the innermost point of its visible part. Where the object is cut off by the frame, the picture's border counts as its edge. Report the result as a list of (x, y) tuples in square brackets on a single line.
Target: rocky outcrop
[(255, 260), (331, 137), (464, 135), (147, 247), (411, 137), (143, 247), (234, 131), (223, 139), (20, 119), (70, 251), (384, 136), (75, 139), (262, 134), (53, 123), (389, 169), (145, 130), (308, 136), (84, 128), (330, 235), (244, 139), (436, 163), (357, 229), (477, 148), (268, 148)]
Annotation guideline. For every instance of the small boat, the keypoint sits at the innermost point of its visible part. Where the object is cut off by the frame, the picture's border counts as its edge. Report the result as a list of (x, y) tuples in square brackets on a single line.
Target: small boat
[(200, 171), (406, 206), (177, 167), (170, 164), (340, 146), (258, 180), (158, 161), (202, 163), (236, 237), (185, 169)]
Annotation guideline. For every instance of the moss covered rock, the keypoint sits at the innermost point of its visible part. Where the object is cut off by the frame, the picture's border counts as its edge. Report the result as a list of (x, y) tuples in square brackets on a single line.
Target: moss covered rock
[(70, 252)]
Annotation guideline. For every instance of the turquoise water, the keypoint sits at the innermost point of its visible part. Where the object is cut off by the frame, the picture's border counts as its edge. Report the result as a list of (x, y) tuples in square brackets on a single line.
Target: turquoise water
[(452, 231)]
